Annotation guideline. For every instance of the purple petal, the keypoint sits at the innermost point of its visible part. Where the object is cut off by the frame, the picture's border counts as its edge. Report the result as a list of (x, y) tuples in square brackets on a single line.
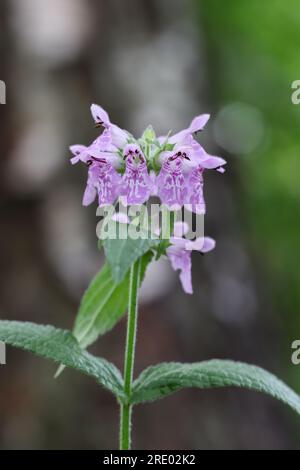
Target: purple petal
[(196, 196), (221, 170), (196, 125), (211, 162), (181, 260), (89, 195), (80, 154), (171, 184), (115, 134), (200, 157), (180, 229), (136, 182), (110, 156), (202, 244), (100, 115), (178, 242), (105, 181), (104, 141), (102, 148), (208, 244), (119, 136), (108, 185)]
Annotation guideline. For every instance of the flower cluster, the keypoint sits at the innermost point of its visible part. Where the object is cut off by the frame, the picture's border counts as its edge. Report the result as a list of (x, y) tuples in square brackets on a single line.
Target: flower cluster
[(170, 167), (131, 171)]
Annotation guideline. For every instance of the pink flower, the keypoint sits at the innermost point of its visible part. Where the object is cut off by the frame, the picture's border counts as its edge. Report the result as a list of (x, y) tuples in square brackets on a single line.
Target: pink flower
[(171, 182), (102, 147), (180, 181), (136, 184), (180, 254), (103, 159), (119, 137), (102, 180)]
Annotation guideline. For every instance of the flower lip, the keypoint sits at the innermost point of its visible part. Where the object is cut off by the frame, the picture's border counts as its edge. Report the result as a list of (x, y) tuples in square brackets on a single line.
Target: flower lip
[(201, 244), (173, 165), (136, 182), (134, 156), (79, 154), (103, 180)]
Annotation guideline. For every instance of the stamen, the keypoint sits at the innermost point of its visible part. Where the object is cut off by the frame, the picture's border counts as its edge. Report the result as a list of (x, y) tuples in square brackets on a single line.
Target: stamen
[(100, 160)]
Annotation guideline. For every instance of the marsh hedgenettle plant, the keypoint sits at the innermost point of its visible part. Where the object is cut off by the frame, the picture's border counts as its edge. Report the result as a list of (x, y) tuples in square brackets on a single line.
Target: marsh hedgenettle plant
[(129, 172)]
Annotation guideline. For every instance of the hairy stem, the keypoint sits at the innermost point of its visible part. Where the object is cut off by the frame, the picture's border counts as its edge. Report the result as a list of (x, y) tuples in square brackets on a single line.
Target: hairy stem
[(126, 409)]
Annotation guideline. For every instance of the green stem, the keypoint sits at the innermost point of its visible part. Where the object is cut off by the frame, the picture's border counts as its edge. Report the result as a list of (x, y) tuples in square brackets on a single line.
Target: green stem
[(126, 408)]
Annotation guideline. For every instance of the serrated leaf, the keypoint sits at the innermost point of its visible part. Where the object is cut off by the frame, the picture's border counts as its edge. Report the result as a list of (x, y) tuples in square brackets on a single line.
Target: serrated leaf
[(122, 253), (164, 379), (61, 346), (103, 304)]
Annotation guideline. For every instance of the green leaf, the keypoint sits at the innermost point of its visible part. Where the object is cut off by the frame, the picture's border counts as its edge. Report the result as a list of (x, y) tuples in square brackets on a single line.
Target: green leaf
[(169, 147), (164, 379), (103, 304), (122, 253), (61, 346), (149, 134)]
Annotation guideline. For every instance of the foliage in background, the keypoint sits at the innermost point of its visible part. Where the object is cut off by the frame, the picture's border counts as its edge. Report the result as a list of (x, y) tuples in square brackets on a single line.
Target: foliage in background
[(256, 63)]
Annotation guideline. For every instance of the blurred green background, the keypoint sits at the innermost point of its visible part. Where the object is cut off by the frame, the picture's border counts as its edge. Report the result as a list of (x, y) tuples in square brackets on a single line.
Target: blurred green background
[(158, 62)]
